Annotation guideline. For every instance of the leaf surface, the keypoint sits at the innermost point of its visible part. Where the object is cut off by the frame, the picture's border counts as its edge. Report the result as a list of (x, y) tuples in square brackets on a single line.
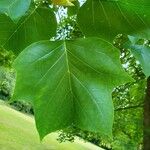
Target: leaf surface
[(142, 54), (70, 82), (6, 28), (107, 18), (15, 9), (73, 10), (38, 24), (63, 2)]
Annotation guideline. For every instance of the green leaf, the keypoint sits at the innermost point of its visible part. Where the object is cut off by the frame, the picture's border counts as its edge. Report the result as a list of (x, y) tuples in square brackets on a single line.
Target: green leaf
[(142, 54), (137, 91), (6, 28), (74, 9), (15, 9), (39, 24), (70, 82), (106, 19)]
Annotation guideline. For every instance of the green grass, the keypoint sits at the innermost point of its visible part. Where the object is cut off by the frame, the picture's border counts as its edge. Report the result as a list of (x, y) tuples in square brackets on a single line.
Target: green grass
[(18, 132)]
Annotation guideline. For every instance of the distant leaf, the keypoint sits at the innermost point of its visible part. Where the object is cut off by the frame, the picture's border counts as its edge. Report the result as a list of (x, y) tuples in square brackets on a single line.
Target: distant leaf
[(36, 1), (39, 24), (106, 19), (63, 2), (137, 91), (15, 9), (73, 10), (141, 53), (70, 82)]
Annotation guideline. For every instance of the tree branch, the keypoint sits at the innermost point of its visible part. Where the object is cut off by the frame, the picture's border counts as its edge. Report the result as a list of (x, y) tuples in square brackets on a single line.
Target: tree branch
[(146, 123), (130, 107)]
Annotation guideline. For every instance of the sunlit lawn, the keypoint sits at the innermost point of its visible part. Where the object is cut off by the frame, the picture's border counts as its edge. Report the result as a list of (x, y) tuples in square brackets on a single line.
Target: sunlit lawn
[(18, 132)]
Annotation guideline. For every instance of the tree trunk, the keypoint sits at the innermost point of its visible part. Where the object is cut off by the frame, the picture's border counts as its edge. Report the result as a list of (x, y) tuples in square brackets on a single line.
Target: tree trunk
[(146, 139)]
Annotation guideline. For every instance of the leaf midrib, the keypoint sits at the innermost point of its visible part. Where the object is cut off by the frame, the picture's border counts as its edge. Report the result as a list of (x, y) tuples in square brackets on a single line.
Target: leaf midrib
[(68, 67), (71, 74)]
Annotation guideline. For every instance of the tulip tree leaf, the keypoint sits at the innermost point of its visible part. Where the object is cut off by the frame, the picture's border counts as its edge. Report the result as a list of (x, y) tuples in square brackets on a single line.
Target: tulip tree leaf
[(73, 10), (70, 82), (63, 2), (142, 54), (6, 28), (39, 24), (15, 9), (106, 19)]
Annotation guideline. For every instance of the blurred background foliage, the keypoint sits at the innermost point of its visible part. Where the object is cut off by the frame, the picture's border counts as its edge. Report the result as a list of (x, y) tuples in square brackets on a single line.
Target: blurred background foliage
[(128, 99)]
